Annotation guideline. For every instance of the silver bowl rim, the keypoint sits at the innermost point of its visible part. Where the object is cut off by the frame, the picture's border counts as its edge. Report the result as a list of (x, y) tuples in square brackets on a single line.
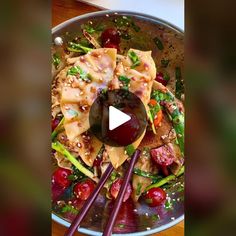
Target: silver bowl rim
[(155, 20)]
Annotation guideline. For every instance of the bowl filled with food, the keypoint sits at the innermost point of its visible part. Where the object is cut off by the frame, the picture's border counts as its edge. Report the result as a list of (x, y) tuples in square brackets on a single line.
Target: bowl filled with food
[(92, 55)]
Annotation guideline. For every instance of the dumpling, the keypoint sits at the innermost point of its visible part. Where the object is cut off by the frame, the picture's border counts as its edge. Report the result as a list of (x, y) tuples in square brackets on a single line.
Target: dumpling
[(84, 78), (141, 80)]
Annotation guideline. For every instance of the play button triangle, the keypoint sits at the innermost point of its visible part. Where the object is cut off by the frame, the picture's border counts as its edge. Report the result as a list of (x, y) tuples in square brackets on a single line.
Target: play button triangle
[(117, 118)]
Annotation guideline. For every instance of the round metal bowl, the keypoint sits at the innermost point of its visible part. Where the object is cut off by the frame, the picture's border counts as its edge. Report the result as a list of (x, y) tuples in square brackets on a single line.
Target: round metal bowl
[(150, 27)]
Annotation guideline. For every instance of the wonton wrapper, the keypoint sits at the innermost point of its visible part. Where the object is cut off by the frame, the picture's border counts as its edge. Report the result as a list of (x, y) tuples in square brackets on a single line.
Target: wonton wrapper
[(77, 96), (141, 81), (89, 152)]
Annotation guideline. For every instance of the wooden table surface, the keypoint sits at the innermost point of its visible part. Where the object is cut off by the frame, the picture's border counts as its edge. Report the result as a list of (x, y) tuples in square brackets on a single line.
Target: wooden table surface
[(63, 10)]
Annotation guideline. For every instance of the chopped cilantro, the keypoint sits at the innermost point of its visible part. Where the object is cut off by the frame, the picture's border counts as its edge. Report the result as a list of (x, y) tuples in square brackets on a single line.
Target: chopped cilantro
[(155, 217), (69, 208), (158, 43), (134, 58), (130, 149), (159, 96), (113, 175), (77, 70), (56, 60), (168, 204), (126, 21), (92, 29), (73, 70), (89, 29), (123, 21), (125, 80)]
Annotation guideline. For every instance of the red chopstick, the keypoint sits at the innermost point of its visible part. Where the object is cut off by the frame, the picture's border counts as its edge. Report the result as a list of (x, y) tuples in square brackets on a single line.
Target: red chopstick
[(120, 197), (76, 222)]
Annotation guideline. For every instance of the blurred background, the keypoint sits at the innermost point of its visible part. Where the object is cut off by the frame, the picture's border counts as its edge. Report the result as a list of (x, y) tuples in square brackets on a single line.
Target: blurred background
[(210, 75)]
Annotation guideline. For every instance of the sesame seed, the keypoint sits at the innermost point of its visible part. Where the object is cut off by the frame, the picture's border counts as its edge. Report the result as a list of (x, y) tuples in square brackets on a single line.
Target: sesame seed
[(81, 93), (58, 41)]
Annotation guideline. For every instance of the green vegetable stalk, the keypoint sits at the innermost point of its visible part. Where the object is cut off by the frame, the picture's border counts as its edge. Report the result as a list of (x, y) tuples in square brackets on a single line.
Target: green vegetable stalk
[(57, 129), (61, 149), (76, 47), (166, 179), (145, 174), (149, 114)]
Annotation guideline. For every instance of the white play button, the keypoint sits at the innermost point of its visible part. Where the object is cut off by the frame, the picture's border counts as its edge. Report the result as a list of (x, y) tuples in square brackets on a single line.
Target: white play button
[(117, 118)]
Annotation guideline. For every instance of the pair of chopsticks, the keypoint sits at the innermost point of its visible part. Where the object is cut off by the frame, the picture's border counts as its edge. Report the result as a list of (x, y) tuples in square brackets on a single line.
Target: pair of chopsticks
[(109, 226)]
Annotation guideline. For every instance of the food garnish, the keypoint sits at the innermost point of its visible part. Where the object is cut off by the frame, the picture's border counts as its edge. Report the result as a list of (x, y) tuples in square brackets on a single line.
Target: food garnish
[(134, 58)]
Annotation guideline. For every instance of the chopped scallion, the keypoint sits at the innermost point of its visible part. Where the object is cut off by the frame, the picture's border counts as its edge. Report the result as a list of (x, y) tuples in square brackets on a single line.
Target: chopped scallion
[(134, 58), (158, 43)]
